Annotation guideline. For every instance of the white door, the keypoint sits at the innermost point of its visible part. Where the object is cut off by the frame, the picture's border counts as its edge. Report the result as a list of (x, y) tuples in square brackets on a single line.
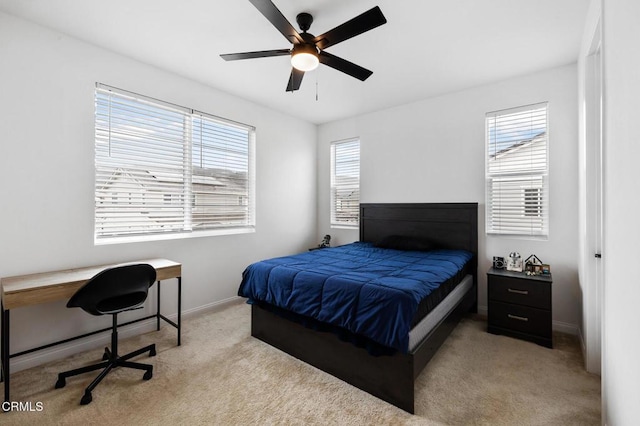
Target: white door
[(592, 307)]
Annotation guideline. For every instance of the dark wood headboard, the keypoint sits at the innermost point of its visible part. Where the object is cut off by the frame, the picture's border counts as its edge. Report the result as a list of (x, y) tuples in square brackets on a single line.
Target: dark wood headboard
[(449, 225)]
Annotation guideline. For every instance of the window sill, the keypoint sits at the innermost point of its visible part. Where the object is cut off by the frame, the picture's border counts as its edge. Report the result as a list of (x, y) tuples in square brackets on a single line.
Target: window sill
[(338, 226), (173, 236), (518, 236)]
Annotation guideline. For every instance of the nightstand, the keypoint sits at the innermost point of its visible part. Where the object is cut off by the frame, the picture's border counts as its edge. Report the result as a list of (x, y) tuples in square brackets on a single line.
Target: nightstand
[(520, 305)]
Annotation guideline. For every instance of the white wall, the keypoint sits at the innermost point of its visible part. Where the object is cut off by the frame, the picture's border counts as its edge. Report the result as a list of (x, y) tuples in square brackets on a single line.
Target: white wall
[(47, 83), (621, 339), (433, 151)]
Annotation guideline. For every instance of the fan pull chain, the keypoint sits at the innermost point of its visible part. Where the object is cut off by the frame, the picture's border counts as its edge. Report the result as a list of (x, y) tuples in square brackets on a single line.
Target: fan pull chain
[(317, 72)]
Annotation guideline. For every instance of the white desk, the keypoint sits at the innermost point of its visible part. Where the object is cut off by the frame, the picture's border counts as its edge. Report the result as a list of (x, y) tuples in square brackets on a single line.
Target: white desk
[(33, 289)]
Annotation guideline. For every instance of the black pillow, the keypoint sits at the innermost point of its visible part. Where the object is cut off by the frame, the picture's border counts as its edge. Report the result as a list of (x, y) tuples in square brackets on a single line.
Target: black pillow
[(400, 242)]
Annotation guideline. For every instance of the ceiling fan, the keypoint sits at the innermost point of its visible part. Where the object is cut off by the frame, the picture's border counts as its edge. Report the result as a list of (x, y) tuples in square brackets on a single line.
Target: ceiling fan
[(309, 50)]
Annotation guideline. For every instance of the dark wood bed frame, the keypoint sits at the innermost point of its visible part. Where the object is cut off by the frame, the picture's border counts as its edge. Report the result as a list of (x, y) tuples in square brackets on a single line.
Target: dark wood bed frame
[(391, 378)]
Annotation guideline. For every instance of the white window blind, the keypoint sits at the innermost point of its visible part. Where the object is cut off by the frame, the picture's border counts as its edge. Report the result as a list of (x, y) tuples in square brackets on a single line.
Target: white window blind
[(162, 168), (517, 171), (345, 183)]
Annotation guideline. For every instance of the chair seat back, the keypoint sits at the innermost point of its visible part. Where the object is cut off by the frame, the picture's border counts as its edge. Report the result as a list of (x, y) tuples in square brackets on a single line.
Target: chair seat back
[(115, 290)]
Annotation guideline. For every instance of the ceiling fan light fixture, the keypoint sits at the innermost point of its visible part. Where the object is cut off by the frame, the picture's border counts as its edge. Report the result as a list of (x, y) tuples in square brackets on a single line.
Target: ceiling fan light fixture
[(305, 57)]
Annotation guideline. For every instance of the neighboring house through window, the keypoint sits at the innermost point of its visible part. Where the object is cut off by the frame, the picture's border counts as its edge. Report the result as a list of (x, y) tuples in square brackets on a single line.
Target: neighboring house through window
[(345, 183), (164, 169), (517, 169)]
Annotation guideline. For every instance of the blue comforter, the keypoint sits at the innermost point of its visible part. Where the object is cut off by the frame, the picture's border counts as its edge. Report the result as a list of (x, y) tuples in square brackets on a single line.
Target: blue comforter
[(369, 291)]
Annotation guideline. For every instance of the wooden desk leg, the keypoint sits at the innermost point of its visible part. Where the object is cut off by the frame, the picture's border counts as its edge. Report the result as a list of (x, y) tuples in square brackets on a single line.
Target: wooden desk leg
[(5, 352)]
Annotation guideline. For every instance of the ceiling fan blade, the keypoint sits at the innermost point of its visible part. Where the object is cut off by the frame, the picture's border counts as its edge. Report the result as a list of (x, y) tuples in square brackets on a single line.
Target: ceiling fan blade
[(295, 79), (345, 66), (362, 23), (252, 55), (277, 19)]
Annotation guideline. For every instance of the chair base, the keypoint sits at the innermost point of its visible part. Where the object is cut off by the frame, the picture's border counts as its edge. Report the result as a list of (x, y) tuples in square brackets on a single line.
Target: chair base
[(111, 360)]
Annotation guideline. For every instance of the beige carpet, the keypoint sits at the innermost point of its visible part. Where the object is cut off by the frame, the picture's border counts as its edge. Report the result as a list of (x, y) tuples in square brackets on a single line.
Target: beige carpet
[(221, 375)]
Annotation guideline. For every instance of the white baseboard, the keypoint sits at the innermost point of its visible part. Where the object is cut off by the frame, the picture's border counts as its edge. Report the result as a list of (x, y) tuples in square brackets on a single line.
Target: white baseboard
[(211, 307), (67, 349), (565, 327), (483, 310), (583, 345)]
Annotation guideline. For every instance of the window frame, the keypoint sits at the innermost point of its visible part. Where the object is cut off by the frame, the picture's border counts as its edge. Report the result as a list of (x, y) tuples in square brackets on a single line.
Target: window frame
[(184, 197), (335, 221), (533, 220)]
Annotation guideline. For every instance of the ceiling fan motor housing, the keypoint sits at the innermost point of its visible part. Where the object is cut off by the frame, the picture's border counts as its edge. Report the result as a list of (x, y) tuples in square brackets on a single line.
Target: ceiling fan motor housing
[(304, 48), (304, 21)]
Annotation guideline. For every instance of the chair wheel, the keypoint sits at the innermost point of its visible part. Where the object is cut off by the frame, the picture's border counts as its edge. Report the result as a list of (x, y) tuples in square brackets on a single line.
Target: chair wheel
[(86, 398), (106, 354), (148, 375), (61, 383), (152, 352)]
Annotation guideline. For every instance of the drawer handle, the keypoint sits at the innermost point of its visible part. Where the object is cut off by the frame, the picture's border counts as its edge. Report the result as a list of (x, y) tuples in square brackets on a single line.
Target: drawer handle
[(515, 317), (511, 290)]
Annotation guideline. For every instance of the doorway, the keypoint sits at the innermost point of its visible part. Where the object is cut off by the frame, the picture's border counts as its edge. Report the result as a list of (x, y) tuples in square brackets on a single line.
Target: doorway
[(592, 307)]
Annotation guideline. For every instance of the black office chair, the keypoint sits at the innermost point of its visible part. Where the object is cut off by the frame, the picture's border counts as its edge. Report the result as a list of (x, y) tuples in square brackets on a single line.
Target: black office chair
[(110, 292)]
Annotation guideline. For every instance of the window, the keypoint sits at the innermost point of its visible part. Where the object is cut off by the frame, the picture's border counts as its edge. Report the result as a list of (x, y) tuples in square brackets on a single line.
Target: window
[(345, 183), (163, 169), (517, 171)]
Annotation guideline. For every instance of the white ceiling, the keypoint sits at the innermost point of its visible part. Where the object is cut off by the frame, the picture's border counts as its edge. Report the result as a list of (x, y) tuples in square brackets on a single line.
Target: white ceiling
[(427, 47)]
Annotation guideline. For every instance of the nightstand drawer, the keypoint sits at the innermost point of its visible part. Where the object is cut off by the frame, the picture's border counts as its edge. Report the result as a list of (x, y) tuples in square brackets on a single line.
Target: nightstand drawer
[(520, 291), (520, 318)]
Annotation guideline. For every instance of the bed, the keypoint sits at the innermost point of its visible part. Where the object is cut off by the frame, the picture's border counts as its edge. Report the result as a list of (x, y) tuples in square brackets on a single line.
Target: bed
[(361, 356)]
